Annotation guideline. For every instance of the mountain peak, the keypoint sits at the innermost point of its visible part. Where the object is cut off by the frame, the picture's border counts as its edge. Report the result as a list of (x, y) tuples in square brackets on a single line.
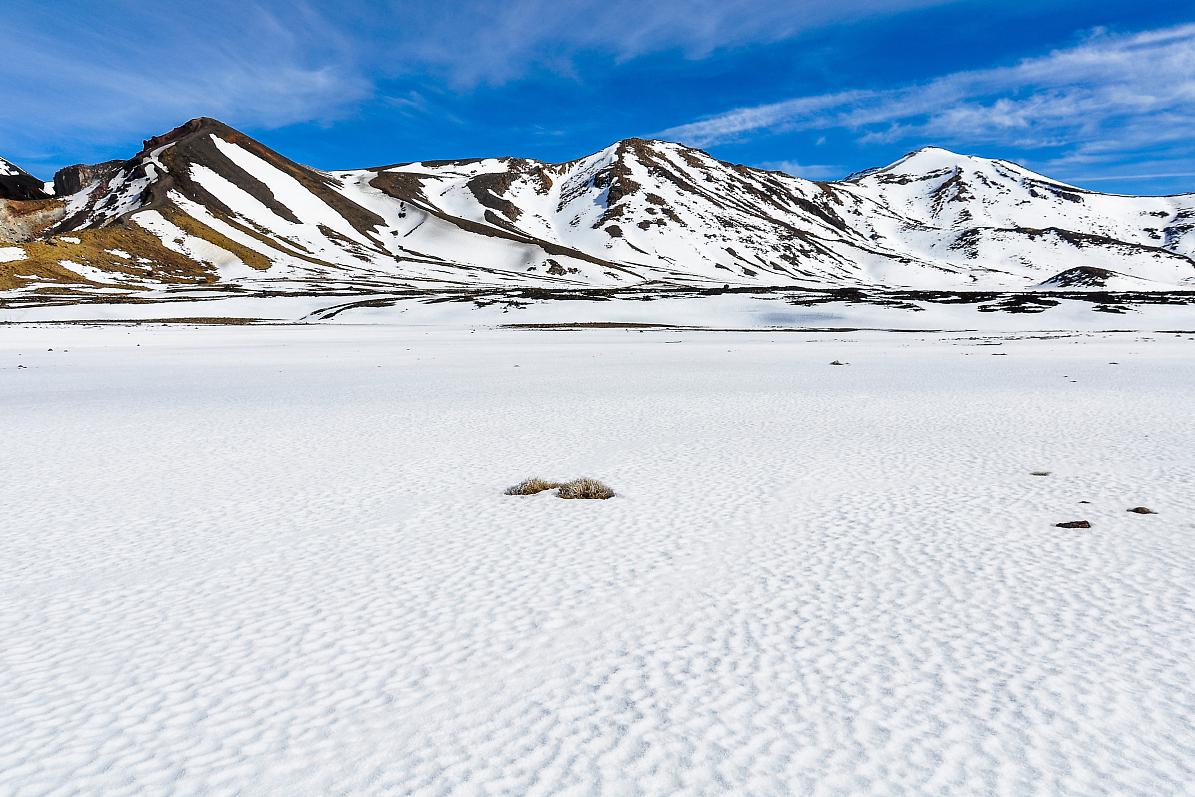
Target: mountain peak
[(931, 159), (642, 147), (200, 125), (16, 183), (933, 162)]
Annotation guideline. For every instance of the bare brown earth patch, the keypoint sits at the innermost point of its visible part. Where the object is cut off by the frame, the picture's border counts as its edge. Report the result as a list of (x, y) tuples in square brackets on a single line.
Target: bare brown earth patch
[(488, 190), (597, 325), (192, 226), (25, 220), (42, 259), (124, 322)]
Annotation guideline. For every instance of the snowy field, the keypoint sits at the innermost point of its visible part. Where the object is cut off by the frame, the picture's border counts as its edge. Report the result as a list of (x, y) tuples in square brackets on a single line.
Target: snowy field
[(278, 560)]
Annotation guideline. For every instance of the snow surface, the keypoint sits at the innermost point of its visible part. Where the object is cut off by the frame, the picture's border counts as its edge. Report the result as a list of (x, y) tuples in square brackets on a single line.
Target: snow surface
[(10, 254), (719, 311), (94, 274), (200, 249), (278, 560)]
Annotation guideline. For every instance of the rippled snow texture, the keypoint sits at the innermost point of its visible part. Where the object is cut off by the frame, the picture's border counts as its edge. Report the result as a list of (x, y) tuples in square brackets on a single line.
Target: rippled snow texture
[(279, 561)]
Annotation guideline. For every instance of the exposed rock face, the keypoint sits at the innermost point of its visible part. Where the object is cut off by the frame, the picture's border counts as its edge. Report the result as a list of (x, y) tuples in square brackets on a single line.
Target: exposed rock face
[(25, 220), (16, 183), (1081, 277), (72, 179)]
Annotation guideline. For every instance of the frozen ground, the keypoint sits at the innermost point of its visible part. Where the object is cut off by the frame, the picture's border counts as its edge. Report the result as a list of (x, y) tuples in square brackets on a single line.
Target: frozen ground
[(278, 560), (956, 312)]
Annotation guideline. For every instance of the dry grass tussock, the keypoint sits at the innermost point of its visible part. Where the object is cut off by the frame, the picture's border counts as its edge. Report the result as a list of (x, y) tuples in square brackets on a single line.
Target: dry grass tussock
[(531, 487), (577, 488), (585, 488)]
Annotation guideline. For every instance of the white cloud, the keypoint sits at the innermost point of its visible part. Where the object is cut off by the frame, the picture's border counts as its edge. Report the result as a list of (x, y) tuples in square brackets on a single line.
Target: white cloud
[(810, 171), (478, 41), (1134, 177), (81, 73), (1107, 95), (145, 70)]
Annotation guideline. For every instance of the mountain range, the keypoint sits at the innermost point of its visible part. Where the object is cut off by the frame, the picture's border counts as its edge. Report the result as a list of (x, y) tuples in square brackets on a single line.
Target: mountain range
[(205, 206)]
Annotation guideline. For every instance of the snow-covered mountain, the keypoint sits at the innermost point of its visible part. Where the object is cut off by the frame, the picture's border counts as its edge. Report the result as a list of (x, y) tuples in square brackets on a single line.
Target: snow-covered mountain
[(16, 183), (207, 204)]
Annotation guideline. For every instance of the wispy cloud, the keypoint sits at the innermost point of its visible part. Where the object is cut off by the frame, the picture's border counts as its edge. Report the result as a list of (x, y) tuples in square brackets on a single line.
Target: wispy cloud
[(1102, 98), (146, 69), (126, 66), (478, 41), (810, 171), (1098, 178)]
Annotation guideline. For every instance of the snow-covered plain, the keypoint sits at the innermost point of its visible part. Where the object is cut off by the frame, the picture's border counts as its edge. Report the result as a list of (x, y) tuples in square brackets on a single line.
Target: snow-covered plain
[(278, 560), (788, 310)]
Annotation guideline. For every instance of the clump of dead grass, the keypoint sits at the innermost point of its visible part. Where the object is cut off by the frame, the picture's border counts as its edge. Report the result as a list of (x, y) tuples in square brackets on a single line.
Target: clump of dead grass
[(585, 488), (577, 488), (531, 487)]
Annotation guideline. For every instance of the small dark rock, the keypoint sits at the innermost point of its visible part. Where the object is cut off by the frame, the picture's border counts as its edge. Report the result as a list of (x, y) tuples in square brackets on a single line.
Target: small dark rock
[(1074, 524), (1040, 473), (836, 362), (1143, 510)]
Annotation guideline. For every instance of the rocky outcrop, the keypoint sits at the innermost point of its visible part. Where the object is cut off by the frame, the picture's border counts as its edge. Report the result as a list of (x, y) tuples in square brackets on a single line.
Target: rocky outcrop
[(27, 219), (72, 179), (16, 183)]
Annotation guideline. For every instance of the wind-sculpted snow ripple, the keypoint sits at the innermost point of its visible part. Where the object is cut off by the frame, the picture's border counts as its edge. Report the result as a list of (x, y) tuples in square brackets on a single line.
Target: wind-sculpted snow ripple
[(268, 565)]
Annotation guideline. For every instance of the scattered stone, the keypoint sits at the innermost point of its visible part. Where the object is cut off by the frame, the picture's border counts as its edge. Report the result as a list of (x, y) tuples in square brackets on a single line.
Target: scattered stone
[(836, 362), (1143, 510), (1074, 524), (1084, 502), (1040, 473)]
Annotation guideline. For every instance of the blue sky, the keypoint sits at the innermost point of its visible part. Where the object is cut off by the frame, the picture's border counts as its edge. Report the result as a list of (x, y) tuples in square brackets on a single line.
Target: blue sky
[(1101, 94)]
